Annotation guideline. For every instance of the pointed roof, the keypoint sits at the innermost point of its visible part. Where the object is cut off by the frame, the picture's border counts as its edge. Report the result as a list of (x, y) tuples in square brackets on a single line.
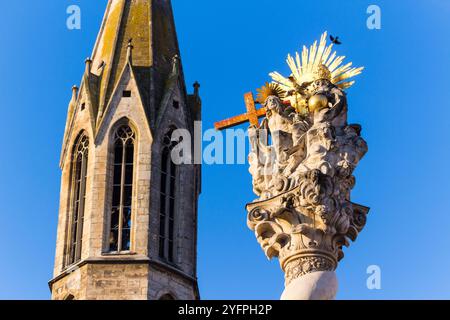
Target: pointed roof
[(139, 37), (149, 24)]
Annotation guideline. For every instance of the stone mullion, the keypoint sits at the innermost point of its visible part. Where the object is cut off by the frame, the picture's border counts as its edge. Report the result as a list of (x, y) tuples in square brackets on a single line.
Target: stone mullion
[(81, 206), (122, 187)]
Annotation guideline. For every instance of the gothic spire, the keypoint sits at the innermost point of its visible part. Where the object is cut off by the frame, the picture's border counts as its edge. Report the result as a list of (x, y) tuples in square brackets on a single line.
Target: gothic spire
[(149, 26)]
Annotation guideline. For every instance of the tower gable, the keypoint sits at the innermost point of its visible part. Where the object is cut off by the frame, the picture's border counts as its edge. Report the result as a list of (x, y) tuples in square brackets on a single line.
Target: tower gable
[(80, 116), (174, 109), (126, 102)]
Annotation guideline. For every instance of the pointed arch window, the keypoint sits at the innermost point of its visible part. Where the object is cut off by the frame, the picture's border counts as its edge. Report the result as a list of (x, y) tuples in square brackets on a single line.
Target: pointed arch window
[(169, 177), (123, 176), (79, 174)]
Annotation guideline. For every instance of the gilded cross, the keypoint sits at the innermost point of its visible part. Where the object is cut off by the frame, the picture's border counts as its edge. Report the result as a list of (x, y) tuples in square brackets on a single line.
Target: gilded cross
[(251, 116)]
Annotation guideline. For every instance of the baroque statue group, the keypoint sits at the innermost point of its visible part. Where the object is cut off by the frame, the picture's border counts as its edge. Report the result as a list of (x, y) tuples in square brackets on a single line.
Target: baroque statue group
[(302, 159)]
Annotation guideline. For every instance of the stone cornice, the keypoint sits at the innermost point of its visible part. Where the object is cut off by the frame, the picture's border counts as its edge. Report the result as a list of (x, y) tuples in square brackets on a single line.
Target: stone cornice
[(124, 259)]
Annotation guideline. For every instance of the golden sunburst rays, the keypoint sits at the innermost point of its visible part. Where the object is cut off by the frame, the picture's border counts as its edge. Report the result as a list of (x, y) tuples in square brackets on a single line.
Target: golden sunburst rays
[(269, 89), (317, 62)]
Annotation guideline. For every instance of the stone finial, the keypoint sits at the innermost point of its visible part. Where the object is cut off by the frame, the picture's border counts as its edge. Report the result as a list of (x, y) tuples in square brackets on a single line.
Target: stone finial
[(130, 48), (175, 64), (196, 88), (74, 92), (88, 63)]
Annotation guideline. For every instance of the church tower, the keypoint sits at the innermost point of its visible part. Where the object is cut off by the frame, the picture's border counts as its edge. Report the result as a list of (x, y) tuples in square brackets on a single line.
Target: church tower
[(127, 226)]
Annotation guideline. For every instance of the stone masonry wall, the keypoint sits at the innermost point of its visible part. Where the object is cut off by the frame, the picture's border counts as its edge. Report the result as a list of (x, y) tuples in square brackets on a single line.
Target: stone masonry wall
[(117, 282)]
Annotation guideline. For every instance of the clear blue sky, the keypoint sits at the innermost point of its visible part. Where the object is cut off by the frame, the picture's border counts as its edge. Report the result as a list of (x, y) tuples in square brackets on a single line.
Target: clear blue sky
[(401, 100)]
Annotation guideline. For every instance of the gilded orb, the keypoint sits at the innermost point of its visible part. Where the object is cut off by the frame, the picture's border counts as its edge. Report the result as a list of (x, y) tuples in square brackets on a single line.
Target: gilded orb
[(317, 102)]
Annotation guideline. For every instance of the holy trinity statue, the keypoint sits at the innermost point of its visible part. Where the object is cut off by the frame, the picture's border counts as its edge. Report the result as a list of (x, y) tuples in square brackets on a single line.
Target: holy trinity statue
[(302, 159)]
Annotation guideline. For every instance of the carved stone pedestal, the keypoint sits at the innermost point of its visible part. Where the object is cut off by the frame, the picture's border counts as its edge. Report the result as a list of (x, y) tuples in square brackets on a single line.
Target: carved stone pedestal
[(308, 242)]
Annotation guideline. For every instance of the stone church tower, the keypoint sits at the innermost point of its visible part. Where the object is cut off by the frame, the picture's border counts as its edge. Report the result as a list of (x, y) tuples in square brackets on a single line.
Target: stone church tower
[(127, 226)]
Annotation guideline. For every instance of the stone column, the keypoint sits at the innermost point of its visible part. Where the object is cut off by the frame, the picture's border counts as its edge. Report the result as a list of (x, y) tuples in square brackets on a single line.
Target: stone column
[(318, 285)]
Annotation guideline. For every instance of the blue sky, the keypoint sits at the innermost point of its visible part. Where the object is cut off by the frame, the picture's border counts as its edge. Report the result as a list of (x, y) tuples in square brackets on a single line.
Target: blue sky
[(401, 101)]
